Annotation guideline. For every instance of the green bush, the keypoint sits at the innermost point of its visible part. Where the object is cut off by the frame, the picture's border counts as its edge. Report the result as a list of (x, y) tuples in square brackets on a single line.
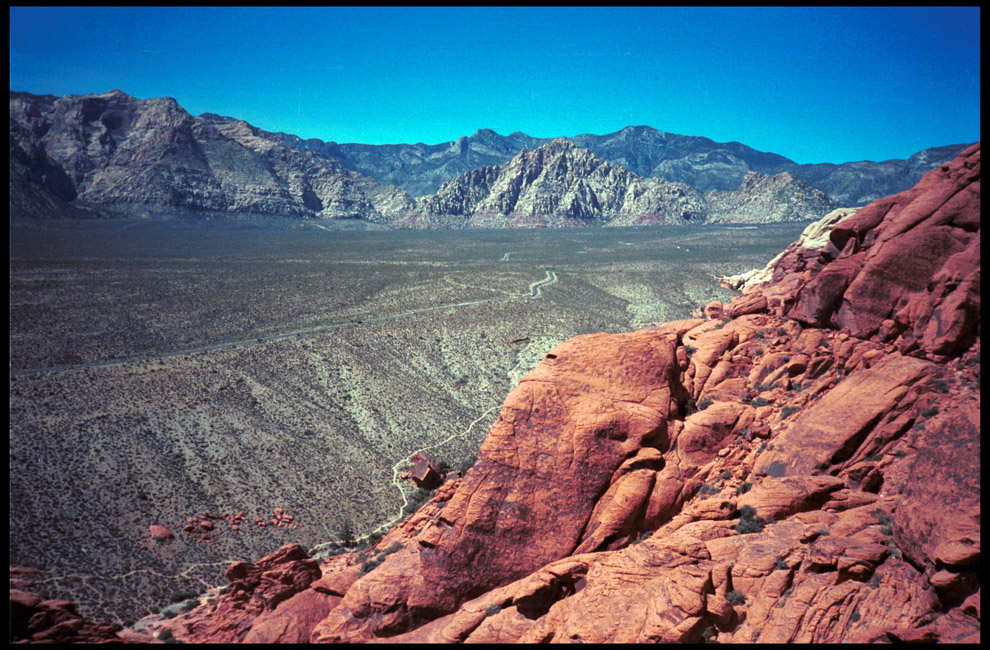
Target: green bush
[(492, 610), (735, 597), (744, 488), (787, 411), (705, 403), (759, 401), (749, 522)]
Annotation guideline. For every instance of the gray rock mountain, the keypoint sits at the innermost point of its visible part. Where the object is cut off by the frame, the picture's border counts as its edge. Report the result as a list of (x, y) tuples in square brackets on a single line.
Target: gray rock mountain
[(120, 155), (560, 184), (699, 162), (768, 199), (112, 154)]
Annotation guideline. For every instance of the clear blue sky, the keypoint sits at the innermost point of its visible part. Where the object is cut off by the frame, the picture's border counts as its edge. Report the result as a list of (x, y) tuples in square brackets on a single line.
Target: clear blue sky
[(816, 85)]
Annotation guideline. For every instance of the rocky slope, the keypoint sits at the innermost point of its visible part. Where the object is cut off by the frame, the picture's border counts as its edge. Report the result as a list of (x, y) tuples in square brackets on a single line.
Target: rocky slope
[(768, 199), (698, 162), (121, 155), (560, 184), (800, 466)]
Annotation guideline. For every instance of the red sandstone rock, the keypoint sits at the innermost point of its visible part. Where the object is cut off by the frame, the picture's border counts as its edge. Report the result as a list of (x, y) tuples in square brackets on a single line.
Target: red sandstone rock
[(255, 589), (160, 532), (36, 620), (714, 309)]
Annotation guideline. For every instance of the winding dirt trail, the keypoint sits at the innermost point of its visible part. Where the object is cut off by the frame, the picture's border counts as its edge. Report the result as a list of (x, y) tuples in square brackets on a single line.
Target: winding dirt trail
[(535, 291)]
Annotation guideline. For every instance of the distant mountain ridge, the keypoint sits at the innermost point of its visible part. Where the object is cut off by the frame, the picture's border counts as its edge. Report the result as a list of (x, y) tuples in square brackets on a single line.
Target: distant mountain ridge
[(111, 154), (561, 184), (699, 162)]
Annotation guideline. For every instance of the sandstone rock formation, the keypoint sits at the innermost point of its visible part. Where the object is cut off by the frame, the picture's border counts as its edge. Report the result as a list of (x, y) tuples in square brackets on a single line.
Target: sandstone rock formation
[(904, 270), (803, 469), (35, 619)]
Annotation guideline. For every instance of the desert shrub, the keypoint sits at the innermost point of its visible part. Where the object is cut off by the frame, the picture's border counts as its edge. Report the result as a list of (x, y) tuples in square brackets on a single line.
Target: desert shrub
[(940, 386), (179, 596), (705, 403), (930, 411), (762, 448), (779, 563), (492, 610), (900, 453), (759, 401), (165, 634), (735, 597), (787, 411), (854, 616), (824, 531), (689, 349), (416, 499), (744, 488), (725, 475), (370, 564), (749, 522)]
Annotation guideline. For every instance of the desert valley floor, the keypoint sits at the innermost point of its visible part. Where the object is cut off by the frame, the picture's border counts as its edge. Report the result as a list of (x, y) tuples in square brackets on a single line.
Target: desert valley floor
[(161, 370)]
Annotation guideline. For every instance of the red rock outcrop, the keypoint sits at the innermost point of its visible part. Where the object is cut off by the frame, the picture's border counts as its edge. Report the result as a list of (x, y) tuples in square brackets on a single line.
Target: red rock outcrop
[(35, 619), (805, 469), (904, 269)]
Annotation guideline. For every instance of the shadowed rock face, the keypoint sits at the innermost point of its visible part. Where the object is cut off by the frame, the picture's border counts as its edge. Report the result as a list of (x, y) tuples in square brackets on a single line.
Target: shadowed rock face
[(752, 478)]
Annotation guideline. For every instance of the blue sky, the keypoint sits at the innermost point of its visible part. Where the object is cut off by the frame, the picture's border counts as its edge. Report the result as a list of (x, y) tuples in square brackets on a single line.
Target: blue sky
[(816, 85)]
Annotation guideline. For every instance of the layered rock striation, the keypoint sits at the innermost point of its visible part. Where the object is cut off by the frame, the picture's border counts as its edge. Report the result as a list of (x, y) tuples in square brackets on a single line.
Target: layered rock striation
[(795, 471)]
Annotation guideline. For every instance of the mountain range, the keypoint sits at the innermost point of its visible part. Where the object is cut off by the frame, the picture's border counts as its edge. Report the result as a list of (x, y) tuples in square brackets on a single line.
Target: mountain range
[(699, 162), (111, 154)]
